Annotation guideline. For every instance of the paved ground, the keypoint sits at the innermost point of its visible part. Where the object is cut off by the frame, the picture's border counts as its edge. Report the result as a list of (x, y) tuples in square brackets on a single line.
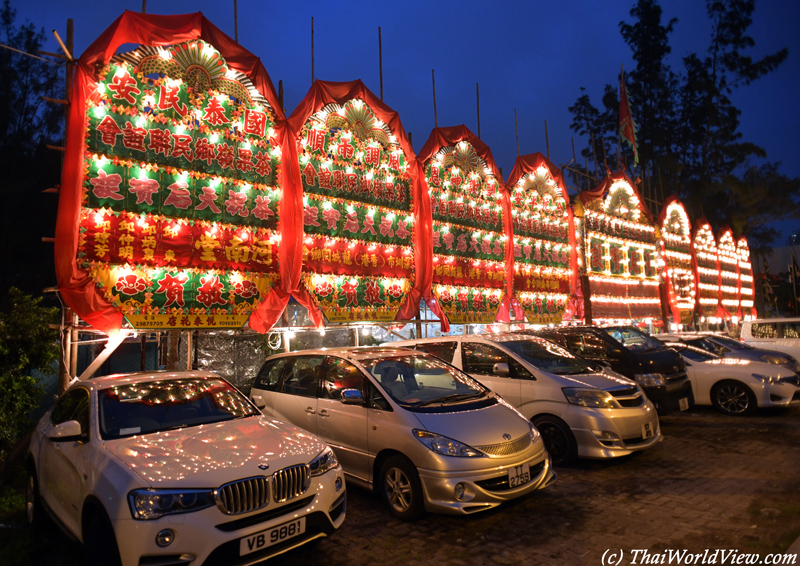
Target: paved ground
[(715, 482)]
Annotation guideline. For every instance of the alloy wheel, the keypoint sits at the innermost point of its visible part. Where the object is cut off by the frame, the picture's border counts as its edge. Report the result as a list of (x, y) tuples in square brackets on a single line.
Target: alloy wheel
[(398, 489)]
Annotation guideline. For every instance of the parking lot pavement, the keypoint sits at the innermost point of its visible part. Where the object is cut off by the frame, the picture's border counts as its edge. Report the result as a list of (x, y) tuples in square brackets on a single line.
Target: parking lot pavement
[(715, 482)]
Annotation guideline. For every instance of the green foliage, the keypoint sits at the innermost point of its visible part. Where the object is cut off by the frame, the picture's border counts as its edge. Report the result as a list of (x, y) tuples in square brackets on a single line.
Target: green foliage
[(26, 343)]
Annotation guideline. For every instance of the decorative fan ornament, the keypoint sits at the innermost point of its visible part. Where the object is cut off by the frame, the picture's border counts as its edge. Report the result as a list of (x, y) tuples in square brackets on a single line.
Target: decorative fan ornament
[(463, 156), (541, 182)]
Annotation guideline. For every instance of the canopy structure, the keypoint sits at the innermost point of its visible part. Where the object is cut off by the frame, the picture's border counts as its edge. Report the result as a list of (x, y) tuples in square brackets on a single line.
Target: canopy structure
[(471, 227), (365, 231), (173, 170), (747, 309), (622, 253), (545, 258), (679, 277), (705, 259), (729, 272)]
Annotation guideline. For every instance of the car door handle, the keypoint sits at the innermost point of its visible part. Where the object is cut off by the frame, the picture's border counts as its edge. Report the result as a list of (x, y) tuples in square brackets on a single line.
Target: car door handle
[(310, 410), (324, 413)]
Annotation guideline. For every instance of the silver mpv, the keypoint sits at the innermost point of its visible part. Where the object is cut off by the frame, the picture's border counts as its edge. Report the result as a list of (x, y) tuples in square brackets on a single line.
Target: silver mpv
[(422, 434)]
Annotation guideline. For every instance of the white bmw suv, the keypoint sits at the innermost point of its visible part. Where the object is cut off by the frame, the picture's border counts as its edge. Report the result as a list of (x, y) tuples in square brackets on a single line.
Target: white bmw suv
[(177, 469)]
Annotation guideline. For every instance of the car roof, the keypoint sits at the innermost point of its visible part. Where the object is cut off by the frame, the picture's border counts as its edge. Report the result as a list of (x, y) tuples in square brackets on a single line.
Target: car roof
[(357, 353), (145, 376)]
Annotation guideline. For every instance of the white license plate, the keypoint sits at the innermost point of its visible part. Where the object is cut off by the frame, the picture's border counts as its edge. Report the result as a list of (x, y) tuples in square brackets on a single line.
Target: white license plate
[(262, 540), (648, 430), (683, 404), (519, 475)]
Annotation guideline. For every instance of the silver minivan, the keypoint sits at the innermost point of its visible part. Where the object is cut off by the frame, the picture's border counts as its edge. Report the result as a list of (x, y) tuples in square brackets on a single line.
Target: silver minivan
[(421, 433), (582, 409), (781, 334)]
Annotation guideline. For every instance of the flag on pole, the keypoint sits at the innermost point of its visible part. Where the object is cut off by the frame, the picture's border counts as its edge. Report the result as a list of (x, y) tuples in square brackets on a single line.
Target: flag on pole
[(627, 127)]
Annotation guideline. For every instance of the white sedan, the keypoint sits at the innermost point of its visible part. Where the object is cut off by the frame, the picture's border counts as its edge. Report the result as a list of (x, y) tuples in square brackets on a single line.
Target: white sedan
[(734, 386), (179, 468)]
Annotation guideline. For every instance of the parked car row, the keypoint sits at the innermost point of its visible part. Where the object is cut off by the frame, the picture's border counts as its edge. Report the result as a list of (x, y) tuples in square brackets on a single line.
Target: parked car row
[(181, 468)]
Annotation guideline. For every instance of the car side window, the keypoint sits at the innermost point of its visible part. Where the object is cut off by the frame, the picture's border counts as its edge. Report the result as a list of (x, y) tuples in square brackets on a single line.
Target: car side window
[(341, 374), (270, 374), (764, 330), (72, 406), (587, 345), (442, 350), (479, 359), (302, 377), (791, 330)]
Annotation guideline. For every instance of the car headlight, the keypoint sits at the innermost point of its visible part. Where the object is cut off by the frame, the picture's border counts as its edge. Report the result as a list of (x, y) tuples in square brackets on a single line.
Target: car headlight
[(589, 397), (767, 378), (445, 446), (770, 359), (535, 435), (324, 462), (650, 379), (147, 504)]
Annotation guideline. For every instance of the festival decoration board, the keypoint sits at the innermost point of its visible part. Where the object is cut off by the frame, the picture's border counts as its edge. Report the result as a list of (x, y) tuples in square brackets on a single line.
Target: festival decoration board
[(622, 252), (679, 277), (729, 272), (747, 310), (707, 271), (357, 176), (470, 226), (175, 168), (544, 239)]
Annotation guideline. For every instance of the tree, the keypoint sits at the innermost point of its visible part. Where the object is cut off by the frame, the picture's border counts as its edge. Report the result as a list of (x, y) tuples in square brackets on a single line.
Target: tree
[(27, 124), (26, 343)]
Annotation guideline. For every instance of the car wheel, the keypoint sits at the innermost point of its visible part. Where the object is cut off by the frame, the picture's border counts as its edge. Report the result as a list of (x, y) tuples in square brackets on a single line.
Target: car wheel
[(558, 439), (33, 501), (99, 543), (401, 489), (733, 398)]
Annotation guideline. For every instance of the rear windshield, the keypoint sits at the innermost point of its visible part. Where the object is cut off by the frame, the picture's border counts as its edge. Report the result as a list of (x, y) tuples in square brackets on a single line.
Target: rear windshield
[(549, 357), (426, 384), (633, 339), (154, 406), (730, 343)]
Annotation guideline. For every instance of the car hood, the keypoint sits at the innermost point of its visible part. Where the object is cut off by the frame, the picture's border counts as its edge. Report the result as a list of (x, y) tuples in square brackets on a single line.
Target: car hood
[(214, 454), (480, 427), (606, 379), (665, 361), (736, 365)]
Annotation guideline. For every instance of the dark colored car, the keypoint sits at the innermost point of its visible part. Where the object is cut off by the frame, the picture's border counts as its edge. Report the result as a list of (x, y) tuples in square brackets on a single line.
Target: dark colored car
[(660, 371)]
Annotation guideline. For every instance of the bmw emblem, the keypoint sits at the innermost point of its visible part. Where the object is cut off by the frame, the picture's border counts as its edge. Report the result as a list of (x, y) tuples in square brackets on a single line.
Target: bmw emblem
[(506, 436), (263, 466)]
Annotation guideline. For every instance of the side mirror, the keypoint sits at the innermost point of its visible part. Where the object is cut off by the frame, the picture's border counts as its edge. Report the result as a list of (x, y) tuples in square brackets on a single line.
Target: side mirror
[(501, 369), (352, 397), (67, 431), (259, 402)]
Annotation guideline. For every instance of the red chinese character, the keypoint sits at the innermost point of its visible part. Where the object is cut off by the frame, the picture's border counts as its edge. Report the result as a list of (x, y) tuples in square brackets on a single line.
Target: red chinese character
[(316, 140), (236, 204), (350, 292), (172, 286), (109, 130), (308, 174), (182, 147), (352, 182), (255, 123), (124, 87), (339, 180), (394, 162), (435, 181), (144, 189), (133, 138), (207, 200), (263, 167), (462, 243), (455, 181), (244, 162), (169, 100), (369, 225), (345, 149), (210, 291), (331, 216), (160, 141), (477, 301), (106, 186), (372, 156), (225, 156), (214, 113), (448, 238), (204, 150), (372, 294), (351, 222), (401, 231), (324, 178), (386, 227), (262, 210), (179, 196), (310, 215)]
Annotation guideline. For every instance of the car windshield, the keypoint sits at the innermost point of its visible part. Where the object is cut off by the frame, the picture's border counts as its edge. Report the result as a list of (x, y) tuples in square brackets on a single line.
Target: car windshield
[(693, 353), (730, 343), (633, 339), (154, 406), (549, 357), (422, 381)]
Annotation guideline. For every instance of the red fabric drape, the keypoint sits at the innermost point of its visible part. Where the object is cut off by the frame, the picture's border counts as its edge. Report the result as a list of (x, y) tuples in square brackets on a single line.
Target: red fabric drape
[(444, 137), (77, 288)]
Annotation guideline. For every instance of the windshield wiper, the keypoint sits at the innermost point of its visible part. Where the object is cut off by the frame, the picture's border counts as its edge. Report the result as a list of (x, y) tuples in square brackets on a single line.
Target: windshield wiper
[(451, 397)]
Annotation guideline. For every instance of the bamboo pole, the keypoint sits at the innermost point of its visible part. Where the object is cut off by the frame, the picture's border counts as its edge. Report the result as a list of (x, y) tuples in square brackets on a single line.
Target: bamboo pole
[(144, 6), (435, 117), (235, 22), (546, 140), (380, 58), (478, 95), (312, 50), (516, 126)]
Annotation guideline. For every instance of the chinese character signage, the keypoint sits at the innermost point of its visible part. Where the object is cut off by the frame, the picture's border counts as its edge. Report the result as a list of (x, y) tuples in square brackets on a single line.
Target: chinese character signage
[(679, 274), (729, 272), (746, 305), (704, 248)]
